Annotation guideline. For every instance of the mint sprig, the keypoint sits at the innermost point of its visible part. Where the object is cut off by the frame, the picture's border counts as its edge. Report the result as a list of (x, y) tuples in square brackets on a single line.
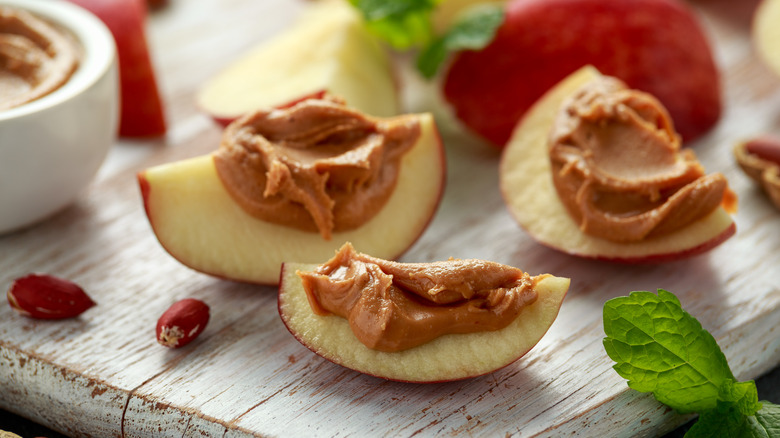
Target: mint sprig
[(660, 348), (472, 31), (401, 23), (406, 24)]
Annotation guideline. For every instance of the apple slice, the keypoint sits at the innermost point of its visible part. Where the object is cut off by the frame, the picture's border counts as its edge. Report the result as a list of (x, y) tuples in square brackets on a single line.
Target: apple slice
[(528, 190), (328, 50), (450, 357), (766, 33), (657, 46), (198, 222), (141, 112)]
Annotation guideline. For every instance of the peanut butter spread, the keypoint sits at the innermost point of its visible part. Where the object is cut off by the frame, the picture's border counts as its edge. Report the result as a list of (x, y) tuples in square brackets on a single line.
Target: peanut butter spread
[(618, 168), (316, 166), (36, 57), (395, 306)]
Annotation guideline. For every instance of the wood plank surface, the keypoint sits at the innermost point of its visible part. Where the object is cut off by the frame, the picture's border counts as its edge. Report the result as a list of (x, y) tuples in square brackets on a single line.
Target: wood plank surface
[(104, 375)]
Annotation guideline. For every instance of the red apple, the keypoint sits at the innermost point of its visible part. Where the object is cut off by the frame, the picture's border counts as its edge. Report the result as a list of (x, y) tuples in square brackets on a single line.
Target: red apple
[(327, 51), (657, 46), (766, 33), (447, 358), (198, 222), (527, 187), (141, 111)]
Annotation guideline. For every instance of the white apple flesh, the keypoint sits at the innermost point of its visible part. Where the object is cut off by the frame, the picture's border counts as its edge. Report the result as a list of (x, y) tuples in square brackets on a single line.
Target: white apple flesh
[(328, 50), (766, 33)]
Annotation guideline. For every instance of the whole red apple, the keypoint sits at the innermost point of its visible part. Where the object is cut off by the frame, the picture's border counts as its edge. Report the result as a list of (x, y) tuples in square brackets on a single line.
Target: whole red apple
[(657, 46)]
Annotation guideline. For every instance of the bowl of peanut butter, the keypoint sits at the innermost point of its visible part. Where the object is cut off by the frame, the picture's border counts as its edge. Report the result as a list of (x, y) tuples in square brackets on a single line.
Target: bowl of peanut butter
[(58, 106)]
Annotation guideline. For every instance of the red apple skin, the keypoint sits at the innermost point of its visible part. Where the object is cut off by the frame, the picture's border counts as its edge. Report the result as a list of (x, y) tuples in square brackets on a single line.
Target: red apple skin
[(657, 46), (141, 111)]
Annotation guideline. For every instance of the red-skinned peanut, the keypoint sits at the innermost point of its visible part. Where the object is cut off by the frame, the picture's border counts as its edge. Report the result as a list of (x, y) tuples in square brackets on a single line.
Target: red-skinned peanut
[(43, 296), (765, 147), (182, 322)]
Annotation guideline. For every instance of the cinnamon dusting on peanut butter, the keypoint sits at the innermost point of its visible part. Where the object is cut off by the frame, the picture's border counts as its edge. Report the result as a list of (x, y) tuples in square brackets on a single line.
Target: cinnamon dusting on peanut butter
[(395, 306), (317, 165), (618, 168), (36, 57)]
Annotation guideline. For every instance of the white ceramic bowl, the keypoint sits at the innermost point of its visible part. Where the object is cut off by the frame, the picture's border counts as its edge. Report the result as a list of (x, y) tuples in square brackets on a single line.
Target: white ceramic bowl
[(51, 148)]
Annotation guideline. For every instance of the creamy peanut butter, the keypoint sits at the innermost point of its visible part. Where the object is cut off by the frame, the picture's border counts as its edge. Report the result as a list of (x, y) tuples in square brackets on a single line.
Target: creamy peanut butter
[(36, 57), (618, 168), (395, 306), (317, 165)]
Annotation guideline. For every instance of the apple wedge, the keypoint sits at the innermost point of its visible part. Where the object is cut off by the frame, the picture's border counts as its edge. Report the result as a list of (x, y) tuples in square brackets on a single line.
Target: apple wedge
[(328, 50), (528, 190), (447, 358), (199, 223), (766, 33), (142, 112)]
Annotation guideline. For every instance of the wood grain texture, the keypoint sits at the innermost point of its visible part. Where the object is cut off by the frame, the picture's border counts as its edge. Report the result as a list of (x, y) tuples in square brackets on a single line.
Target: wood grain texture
[(104, 375)]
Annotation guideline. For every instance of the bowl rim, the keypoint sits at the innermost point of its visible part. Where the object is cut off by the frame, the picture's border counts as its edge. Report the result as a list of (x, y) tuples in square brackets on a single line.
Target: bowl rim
[(97, 42)]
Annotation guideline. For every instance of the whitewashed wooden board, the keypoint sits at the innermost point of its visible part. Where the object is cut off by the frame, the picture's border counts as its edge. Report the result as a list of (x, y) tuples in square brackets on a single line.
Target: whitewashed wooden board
[(104, 375)]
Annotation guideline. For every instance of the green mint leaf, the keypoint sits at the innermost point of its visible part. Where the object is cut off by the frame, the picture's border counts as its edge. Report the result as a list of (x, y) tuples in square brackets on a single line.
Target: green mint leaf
[(375, 10), (768, 419), (743, 395), (473, 31), (660, 348), (726, 420), (401, 23), (432, 57), (476, 28)]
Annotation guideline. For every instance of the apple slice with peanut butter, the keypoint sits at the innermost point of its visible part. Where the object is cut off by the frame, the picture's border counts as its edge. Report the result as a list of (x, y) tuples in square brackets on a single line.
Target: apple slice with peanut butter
[(295, 183), (596, 170), (417, 322), (618, 167)]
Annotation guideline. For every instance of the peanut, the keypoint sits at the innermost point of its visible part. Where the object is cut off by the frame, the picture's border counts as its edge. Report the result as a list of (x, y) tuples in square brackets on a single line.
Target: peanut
[(182, 322), (47, 297)]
